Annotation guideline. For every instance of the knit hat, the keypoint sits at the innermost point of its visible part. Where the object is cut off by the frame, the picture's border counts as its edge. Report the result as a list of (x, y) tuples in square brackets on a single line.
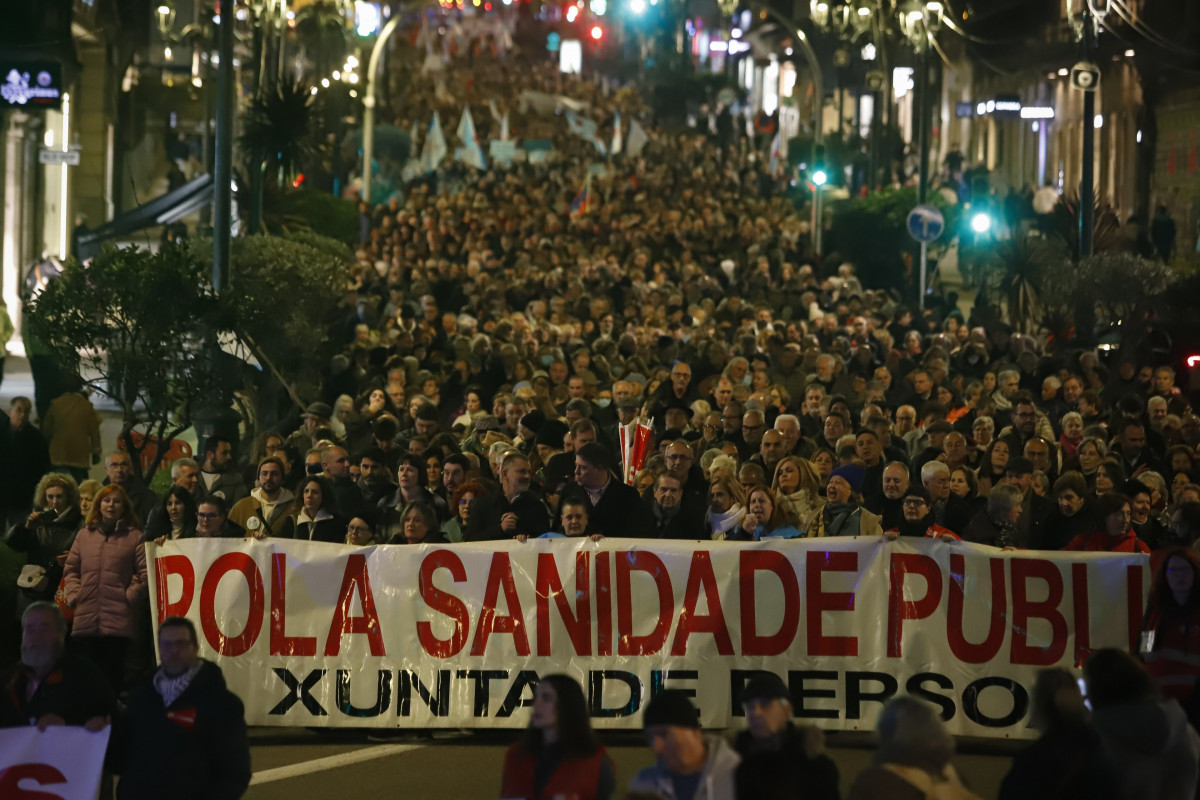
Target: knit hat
[(851, 474), (551, 433), (671, 707), (533, 420), (766, 686), (1019, 466), (917, 490)]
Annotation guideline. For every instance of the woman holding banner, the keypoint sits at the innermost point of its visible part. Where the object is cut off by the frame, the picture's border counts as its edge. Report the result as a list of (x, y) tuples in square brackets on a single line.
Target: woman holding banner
[(558, 756), (1170, 642), (765, 518), (316, 519)]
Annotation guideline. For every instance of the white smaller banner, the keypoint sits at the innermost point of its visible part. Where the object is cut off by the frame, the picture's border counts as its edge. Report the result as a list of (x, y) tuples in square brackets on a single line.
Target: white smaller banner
[(63, 762)]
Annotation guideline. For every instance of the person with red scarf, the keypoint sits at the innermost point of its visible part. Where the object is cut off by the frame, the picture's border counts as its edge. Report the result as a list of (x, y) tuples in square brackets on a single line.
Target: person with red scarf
[(558, 756), (1117, 535), (1170, 642)]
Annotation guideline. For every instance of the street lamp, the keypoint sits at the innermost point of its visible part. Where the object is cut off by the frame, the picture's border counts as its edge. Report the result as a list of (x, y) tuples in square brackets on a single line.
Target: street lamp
[(920, 21)]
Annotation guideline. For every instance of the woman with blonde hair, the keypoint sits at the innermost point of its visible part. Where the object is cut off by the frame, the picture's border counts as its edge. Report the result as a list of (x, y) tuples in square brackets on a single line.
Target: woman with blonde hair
[(105, 579), (46, 537), (797, 488), (726, 506)]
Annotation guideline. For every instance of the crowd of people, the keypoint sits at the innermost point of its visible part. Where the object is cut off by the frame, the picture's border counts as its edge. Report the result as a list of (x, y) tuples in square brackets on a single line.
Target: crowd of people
[(495, 338)]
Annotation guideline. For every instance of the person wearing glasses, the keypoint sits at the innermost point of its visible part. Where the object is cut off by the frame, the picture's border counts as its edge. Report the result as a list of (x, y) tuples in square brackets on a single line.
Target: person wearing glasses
[(917, 506), (360, 531), (212, 521)]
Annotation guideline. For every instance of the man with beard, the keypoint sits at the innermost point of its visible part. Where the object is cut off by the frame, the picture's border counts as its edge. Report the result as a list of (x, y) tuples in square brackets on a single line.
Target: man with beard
[(48, 687), (265, 512), (374, 477), (511, 511)]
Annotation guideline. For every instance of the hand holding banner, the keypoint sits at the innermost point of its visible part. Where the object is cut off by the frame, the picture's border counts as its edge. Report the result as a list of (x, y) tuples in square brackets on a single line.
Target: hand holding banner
[(64, 762)]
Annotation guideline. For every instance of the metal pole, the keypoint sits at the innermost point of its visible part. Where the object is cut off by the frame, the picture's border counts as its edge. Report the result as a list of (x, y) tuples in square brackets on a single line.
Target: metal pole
[(223, 166), (922, 109), (1087, 199), (369, 105)]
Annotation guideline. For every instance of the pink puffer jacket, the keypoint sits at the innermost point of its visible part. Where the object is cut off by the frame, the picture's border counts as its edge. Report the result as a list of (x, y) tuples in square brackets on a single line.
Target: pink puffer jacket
[(104, 577)]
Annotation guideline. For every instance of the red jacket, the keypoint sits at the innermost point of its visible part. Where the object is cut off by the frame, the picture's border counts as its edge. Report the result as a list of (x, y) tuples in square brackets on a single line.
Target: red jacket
[(1174, 658), (575, 778), (1098, 541)]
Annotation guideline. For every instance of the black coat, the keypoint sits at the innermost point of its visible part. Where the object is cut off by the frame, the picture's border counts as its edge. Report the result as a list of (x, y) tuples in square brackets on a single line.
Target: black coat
[(332, 529), (621, 513), (75, 690), (688, 522), (42, 544), (533, 518), (794, 770), (195, 748), (1064, 763)]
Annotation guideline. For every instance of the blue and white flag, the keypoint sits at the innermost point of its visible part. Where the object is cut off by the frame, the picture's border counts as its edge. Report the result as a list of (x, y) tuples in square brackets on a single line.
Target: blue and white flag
[(616, 139), (435, 146), (470, 153)]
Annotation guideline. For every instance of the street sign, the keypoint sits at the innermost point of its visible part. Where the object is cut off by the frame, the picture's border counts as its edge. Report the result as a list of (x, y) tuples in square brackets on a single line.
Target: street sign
[(925, 224), (57, 157)]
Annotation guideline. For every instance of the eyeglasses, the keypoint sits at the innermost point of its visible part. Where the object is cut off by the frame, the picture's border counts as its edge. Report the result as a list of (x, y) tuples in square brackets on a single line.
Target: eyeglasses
[(913, 501), (206, 515), (357, 529)]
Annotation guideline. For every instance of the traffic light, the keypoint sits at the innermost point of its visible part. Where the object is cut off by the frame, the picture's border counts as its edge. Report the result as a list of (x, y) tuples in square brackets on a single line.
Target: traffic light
[(597, 33), (819, 173), (981, 222)]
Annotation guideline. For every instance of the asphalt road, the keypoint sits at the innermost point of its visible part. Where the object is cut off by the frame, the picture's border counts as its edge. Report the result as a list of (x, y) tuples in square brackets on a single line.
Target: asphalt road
[(293, 763)]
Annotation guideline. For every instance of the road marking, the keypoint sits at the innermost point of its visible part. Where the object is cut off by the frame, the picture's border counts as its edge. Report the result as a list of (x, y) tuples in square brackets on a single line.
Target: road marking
[(331, 762)]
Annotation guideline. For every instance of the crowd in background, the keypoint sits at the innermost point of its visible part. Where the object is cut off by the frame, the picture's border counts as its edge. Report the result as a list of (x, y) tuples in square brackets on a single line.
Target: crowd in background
[(495, 337)]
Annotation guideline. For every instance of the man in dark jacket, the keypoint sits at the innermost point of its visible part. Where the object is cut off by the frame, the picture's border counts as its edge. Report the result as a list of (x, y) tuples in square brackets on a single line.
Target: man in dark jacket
[(513, 510), (66, 690), (616, 508), (184, 734), (674, 518), (780, 760)]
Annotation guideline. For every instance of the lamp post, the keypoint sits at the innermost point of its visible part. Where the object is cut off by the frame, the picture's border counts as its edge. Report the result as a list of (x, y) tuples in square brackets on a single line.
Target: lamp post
[(920, 21), (369, 105), (818, 99)]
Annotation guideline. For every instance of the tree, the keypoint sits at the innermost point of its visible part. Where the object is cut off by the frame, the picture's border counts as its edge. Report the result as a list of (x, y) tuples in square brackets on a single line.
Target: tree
[(280, 132), (133, 322), (279, 309)]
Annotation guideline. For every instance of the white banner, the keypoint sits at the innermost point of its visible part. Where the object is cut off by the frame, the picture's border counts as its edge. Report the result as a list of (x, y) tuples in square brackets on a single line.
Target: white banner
[(64, 763), (456, 636)]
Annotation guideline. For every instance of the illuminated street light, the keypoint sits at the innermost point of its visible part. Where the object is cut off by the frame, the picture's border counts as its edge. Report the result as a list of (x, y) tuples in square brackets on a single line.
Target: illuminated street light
[(637, 6), (981, 222)]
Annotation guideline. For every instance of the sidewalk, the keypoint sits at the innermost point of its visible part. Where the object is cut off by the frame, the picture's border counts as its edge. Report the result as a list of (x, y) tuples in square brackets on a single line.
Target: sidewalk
[(18, 382)]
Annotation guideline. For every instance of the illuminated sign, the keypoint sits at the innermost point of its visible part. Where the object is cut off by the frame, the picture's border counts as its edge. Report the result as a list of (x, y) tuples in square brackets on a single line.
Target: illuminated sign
[(31, 85)]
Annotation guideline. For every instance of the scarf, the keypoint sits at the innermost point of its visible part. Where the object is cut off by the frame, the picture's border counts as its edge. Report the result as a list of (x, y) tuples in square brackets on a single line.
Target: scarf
[(1006, 533), (171, 688), (799, 505), (722, 524), (836, 517)]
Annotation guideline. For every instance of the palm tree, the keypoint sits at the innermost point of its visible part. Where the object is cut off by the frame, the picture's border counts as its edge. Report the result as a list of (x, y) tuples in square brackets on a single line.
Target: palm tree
[(280, 132)]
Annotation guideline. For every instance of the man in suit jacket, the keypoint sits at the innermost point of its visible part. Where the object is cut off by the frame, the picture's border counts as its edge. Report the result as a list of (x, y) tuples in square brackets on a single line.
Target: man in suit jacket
[(616, 509)]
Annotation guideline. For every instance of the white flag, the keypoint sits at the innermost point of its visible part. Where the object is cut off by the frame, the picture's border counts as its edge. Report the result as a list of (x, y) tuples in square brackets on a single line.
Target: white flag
[(504, 133), (637, 139), (495, 111), (616, 139), (470, 153), (435, 146)]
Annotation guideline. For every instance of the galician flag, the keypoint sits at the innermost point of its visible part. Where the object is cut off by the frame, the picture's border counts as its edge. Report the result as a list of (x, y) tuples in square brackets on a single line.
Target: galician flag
[(616, 139), (435, 146)]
